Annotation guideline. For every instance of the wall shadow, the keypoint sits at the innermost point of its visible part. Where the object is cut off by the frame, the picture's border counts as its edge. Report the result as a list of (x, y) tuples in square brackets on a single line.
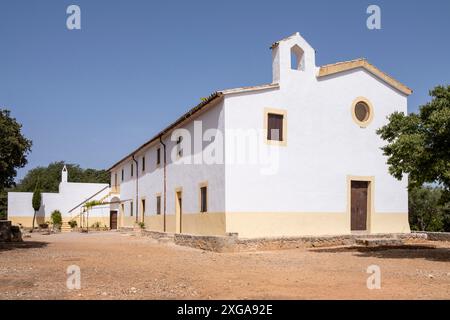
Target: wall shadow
[(8, 246), (427, 252)]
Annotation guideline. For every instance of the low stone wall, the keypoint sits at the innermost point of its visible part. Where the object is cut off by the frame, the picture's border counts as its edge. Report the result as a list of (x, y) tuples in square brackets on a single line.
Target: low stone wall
[(435, 236), (233, 243)]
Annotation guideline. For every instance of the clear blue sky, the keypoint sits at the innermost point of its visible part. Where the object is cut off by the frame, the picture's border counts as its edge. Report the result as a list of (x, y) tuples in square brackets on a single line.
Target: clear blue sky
[(91, 96)]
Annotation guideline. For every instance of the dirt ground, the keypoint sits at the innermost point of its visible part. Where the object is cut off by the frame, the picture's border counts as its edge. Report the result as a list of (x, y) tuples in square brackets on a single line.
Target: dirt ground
[(116, 265)]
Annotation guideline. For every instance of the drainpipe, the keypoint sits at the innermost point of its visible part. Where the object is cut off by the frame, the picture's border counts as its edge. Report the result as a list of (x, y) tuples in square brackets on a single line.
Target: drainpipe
[(165, 180), (137, 187)]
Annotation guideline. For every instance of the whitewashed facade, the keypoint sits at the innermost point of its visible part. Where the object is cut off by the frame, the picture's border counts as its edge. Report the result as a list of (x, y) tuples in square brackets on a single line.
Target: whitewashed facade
[(327, 166)]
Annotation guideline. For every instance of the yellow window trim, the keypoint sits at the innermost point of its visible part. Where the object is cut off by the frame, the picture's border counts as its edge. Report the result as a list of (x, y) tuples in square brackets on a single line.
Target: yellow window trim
[(282, 112), (365, 123)]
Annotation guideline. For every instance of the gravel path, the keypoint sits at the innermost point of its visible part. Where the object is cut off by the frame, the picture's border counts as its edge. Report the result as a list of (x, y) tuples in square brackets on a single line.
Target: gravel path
[(116, 265)]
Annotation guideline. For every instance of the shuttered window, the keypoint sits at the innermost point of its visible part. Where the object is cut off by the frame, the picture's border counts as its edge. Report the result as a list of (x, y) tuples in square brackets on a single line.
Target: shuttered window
[(203, 199), (143, 163), (131, 208), (158, 156), (275, 127)]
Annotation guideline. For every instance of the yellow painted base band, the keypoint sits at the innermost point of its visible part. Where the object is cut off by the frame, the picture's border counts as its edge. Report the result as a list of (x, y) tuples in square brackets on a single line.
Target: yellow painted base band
[(27, 222), (390, 223), (195, 223), (292, 224), (286, 224), (254, 224)]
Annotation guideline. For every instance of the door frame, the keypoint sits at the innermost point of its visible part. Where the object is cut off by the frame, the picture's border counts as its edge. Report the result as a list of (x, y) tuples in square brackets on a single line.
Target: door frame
[(178, 210), (370, 201)]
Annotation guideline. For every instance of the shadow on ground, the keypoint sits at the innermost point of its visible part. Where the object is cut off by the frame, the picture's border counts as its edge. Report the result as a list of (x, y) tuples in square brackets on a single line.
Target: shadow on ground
[(7, 246), (428, 252)]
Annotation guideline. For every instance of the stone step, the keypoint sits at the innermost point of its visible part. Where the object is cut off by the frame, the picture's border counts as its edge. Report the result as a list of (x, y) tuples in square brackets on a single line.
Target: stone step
[(377, 242)]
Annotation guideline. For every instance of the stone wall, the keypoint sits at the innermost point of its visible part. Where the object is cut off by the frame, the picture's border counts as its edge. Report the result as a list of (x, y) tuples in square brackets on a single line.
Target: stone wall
[(436, 236), (233, 243)]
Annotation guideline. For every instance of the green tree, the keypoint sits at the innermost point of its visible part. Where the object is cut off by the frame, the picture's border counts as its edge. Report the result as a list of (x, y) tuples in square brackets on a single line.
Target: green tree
[(36, 202), (14, 148), (426, 213), (419, 144), (49, 177)]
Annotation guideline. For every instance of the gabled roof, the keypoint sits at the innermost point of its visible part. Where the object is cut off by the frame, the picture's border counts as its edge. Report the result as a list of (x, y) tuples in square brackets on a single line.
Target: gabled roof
[(201, 106), (338, 67)]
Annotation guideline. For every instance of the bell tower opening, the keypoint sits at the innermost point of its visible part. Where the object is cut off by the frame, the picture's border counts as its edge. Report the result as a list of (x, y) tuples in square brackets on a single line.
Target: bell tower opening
[(297, 58)]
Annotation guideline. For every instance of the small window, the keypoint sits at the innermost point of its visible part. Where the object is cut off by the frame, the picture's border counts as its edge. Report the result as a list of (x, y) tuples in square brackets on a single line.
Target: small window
[(115, 179), (123, 175), (158, 156), (158, 204), (131, 208), (143, 163), (179, 148), (275, 127), (204, 199), (362, 112), (132, 169), (122, 208), (143, 206)]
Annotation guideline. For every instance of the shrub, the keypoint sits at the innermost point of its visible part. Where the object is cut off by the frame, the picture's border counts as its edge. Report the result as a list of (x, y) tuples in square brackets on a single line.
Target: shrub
[(73, 224), (43, 226), (141, 225), (96, 225), (56, 218)]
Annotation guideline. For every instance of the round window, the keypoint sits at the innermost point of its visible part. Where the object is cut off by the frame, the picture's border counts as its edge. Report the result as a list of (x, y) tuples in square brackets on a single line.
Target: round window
[(362, 112)]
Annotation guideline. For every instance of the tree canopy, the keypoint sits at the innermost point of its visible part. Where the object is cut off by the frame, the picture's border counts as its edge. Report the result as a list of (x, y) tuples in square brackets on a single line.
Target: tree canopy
[(49, 177), (14, 148), (419, 144)]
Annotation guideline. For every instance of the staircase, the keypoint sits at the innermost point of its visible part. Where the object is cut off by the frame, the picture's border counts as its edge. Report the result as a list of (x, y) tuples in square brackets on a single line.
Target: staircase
[(65, 227)]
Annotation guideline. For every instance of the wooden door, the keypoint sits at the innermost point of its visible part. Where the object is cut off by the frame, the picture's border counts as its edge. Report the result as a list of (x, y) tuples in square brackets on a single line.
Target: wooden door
[(113, 220), (359, 205)]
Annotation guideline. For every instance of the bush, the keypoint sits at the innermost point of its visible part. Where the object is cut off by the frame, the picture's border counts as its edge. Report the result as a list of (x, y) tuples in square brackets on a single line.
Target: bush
[(141, 225), (43, 226), (96, 225), (73, 224), (56, 218)]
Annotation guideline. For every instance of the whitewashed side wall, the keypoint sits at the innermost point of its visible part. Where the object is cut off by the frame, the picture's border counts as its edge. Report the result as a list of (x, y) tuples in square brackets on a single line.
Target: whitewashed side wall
[(186, 176), (69, 196)]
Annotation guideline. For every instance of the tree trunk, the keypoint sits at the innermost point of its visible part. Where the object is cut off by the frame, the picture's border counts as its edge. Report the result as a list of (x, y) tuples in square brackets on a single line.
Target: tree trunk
[(34, 218)]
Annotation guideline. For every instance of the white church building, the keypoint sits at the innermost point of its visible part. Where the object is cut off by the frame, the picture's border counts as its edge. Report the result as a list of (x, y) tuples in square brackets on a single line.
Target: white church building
[(298, 156)]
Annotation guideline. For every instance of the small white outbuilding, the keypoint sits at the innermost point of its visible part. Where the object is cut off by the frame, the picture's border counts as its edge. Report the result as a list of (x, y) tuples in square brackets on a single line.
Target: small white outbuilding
[(69, 201)]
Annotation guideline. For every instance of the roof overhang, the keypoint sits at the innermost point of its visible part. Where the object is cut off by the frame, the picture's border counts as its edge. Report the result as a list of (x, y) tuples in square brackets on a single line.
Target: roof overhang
[(206, 102), (335, 68)]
